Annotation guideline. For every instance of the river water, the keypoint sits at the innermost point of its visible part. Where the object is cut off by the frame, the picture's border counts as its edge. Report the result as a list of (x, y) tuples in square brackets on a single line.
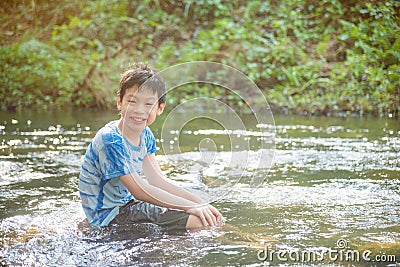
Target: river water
[(331, 196)]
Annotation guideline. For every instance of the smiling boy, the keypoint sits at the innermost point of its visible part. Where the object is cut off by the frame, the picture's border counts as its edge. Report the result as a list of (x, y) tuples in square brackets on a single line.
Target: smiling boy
[(111, 187)]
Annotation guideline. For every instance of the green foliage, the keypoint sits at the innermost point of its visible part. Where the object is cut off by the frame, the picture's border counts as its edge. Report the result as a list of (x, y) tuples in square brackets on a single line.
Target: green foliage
[(314, 57), (34, 74)]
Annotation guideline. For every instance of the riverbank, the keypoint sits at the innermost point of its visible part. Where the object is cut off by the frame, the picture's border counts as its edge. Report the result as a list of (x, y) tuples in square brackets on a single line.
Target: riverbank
[(308, 57)]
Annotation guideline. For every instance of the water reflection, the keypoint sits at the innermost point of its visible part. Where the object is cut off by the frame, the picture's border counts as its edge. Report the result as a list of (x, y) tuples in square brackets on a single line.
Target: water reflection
[(332, 178)]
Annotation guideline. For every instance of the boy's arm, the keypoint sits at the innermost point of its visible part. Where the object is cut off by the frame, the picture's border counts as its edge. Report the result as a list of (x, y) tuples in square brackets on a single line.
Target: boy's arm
[(144, 191), (152, 171)]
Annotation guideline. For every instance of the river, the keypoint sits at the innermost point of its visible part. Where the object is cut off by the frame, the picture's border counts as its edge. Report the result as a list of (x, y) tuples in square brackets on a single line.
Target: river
[(331, 194)]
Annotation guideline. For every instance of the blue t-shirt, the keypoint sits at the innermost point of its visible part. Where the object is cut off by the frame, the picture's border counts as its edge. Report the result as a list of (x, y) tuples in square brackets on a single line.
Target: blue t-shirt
[(109, 156)]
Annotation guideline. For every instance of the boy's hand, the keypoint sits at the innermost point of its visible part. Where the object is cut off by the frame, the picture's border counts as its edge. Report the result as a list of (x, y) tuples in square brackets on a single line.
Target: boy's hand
[(208, 215), (217, 214)]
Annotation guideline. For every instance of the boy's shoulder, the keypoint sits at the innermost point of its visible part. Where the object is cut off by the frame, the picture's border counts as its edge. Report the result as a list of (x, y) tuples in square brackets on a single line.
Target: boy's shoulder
[(109, 133), (148, 135), (147, 131), (110, 128)]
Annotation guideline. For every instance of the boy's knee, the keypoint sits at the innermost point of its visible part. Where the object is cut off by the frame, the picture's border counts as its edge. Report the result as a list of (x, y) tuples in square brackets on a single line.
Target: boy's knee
[(194, 223)]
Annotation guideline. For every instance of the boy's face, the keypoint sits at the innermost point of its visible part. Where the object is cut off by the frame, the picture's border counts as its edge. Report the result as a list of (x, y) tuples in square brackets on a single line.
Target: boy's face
[(139, 108)]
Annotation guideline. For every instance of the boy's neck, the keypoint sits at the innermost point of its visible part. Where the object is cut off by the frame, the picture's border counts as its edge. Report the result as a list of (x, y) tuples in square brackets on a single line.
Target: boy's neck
[(134, 137)]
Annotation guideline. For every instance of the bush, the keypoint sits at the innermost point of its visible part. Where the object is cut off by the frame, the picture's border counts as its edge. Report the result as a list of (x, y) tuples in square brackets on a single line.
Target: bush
[(313, 57), (34, 74)]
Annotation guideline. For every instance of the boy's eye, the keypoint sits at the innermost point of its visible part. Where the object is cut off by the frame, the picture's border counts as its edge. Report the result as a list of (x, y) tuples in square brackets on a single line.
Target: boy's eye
[(149, 104)]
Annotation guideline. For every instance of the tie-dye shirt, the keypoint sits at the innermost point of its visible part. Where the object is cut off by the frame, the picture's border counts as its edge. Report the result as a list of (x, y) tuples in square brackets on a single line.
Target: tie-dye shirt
[(109, 156)]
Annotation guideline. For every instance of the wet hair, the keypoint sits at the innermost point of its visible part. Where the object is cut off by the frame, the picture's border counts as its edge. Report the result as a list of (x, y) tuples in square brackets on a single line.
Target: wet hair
[(145, 78)]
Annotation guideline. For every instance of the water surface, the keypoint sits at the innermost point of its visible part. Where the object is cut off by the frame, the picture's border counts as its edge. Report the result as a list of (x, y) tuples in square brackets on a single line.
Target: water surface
[(332, 179)]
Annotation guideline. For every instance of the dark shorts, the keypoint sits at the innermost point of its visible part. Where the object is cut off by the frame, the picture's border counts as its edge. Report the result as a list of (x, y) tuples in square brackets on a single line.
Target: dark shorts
[(137, 211)]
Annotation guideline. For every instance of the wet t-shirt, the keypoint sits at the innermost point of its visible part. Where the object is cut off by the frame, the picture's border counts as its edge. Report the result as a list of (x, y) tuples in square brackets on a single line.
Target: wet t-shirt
[(109, 156)]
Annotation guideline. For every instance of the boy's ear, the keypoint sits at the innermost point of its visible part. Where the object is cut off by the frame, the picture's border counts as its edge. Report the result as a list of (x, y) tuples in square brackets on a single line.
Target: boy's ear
[(160, 109), (118, 103)]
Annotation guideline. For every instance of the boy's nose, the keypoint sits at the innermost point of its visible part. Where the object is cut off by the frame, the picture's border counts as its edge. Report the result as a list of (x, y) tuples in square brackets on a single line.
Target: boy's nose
[(140, 109)]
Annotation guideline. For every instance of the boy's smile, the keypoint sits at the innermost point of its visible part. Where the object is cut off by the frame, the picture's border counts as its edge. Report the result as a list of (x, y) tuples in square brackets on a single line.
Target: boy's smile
[(138, 120)]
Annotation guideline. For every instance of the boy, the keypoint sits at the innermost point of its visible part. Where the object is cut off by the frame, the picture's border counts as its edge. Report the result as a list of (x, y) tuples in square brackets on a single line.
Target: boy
[(110, 185)]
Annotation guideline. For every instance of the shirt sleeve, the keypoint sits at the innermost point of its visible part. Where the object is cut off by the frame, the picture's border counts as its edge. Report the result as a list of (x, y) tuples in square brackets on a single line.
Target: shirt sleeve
[(113, 158), (150, 141)]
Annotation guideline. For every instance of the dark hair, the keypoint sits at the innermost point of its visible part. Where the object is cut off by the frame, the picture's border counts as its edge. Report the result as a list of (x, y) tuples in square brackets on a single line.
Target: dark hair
[(143, 77)]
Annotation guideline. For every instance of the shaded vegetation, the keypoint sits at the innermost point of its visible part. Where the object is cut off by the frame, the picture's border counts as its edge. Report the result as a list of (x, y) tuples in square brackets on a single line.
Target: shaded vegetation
[(309, 57)]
